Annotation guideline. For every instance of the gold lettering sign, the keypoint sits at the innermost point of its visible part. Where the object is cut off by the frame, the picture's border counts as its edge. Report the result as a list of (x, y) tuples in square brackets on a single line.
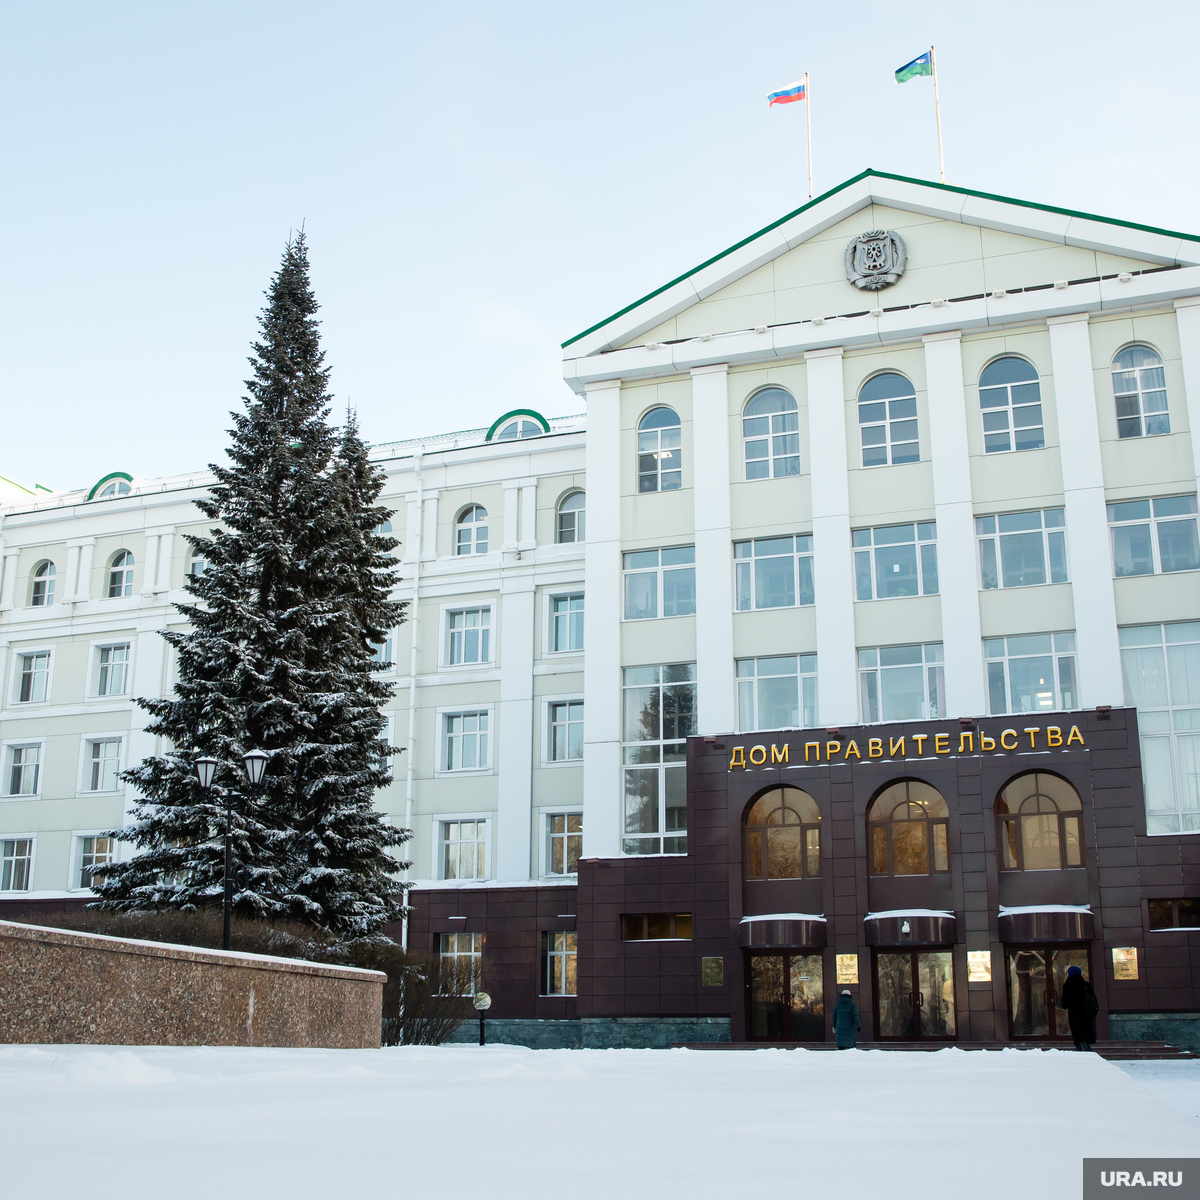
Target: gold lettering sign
[(712, 972), (979, 966), (897, 747), (847, 968), (1125, 962)]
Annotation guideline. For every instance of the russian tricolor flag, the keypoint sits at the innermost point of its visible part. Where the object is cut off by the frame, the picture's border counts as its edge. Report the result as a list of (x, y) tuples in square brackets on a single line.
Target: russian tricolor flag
[(787, 95)]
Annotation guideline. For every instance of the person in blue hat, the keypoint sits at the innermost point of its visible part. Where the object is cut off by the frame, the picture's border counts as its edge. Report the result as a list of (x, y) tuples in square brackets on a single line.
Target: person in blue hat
[(1079, 1001)]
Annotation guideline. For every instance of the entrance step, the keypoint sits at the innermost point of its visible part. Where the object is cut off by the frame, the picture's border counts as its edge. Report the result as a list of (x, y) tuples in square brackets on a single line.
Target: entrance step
[(1112, 1051)]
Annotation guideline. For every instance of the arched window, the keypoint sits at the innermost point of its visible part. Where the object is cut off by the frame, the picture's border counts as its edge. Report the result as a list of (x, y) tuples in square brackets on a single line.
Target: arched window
[(660, 461), (887, 418), (1011, 399), (571, 518), (120, 575), (43, 584), (770, 424), (907, 830), (522, 427), (118, 487), (1140, 390), (782, 837), (1038, 824), (472, 531)]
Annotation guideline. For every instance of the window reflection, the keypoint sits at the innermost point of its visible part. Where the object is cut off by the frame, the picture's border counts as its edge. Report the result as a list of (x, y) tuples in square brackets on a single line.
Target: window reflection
[(1038, 824), (908, 831), (783, 836)]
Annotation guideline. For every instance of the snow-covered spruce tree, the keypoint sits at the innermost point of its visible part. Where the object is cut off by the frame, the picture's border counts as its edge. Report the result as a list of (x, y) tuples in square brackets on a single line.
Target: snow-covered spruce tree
[(274, 659), (337, 861)]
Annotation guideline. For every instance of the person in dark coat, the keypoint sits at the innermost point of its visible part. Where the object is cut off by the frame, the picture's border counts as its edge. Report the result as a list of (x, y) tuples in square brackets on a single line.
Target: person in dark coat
[(1081, 1006), (845, 1021)]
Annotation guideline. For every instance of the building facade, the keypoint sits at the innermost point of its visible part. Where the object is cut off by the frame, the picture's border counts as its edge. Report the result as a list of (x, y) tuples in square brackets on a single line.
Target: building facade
[(892, 585)]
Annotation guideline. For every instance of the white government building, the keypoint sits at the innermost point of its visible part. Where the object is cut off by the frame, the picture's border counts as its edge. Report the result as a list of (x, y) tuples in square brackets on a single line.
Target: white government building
[(911, 451)]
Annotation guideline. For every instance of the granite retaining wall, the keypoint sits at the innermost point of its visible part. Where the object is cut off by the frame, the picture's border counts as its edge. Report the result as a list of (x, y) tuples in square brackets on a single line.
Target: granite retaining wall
[(58, 986)]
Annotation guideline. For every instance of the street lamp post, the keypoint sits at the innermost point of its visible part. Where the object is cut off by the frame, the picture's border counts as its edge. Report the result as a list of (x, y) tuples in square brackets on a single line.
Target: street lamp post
[(206, 768), (255, 762), (482, 1002)]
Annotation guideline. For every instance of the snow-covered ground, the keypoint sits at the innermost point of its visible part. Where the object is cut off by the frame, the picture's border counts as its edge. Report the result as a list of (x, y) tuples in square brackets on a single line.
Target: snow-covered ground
[(504, 1121), (1178, 1083)]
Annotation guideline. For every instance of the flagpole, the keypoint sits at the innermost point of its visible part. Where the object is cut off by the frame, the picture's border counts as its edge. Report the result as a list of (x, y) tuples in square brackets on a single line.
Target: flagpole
[(937, 108), (808, 123)]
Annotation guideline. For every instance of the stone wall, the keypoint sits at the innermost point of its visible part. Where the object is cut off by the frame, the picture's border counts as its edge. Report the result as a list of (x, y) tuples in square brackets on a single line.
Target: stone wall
[(1179, 1029), (58, 986)]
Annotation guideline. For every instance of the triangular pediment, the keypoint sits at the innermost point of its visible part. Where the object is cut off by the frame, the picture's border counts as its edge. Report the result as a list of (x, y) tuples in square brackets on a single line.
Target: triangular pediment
[(959, 243)]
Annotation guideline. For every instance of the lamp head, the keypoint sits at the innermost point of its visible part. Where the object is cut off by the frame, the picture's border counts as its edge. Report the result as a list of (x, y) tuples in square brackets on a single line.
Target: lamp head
[(206, 768), (255, 762)]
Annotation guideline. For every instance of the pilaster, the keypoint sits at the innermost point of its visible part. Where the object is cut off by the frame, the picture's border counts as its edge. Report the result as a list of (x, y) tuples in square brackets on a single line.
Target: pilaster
[(834, 580), (714, 550), (1089, 560)]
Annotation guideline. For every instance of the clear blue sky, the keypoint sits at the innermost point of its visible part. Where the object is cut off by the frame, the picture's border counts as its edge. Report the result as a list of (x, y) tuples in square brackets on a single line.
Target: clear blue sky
[(479, 182)]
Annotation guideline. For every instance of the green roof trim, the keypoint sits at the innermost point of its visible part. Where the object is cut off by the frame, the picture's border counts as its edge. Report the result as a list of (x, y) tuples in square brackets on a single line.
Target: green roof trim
[(870, 172), (108, 479), (18, 486), (520, 412)]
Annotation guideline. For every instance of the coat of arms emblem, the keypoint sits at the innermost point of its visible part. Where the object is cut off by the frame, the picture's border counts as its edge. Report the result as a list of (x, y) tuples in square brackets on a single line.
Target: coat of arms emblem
[(876, 259)]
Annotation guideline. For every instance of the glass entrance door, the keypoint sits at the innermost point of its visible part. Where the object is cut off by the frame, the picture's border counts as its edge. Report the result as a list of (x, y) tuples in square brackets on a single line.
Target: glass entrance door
[(787, 998), (914, 994), (1035, 978)]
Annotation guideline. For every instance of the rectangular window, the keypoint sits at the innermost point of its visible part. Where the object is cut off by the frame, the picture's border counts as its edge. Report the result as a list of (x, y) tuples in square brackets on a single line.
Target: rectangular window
[(656, 927), (564, 832), (1022, 549), (566, 618), (559, 951), (777, 693), (896, 560), (660, 583), (658, 713), (1161, 666), (112, 678), (33, 677), (566, 730), (1150, 537), (464, 849), (103, 764), (382, 652), (902, 683), (1031, 673), (93, 852), (460, 956), (24, 769), (16, 864), (469, 631), (774, 572), (1174, 914), (466, 746)]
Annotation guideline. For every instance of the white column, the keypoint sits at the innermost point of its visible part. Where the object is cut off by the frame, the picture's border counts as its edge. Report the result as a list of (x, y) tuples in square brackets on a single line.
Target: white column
[(714, 550), (150, 566), (514, 729), (166, 548), (87, 551), (429, 532), (602, 662), (1088, 557), (9, 590), (149, 679), (512, 510), (962, 638), (834, 576), (1187, 316), (528, 530), (412, 519), (68, 586)]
